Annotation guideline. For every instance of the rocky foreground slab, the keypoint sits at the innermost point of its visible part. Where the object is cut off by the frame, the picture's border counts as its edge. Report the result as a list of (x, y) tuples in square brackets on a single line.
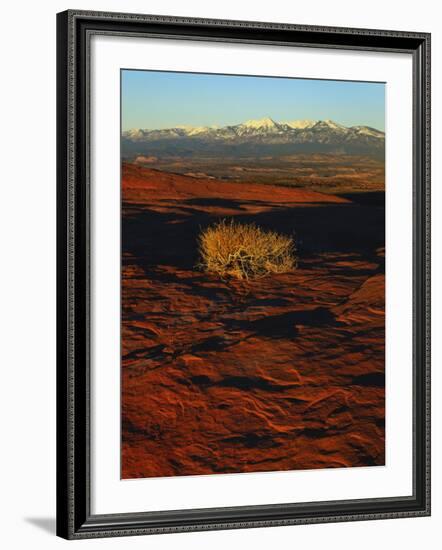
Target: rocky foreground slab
[(221, 376)]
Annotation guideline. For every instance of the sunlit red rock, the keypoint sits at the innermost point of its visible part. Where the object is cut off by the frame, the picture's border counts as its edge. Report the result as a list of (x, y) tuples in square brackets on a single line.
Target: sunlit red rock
[(219, 376)]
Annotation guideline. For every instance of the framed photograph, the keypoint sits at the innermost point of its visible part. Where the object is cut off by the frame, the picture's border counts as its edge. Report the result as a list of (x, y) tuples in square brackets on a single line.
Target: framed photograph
[(243, 274)]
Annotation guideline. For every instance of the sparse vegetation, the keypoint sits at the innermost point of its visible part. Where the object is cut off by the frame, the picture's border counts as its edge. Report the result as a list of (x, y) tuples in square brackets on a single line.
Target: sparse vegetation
[(245, 251)]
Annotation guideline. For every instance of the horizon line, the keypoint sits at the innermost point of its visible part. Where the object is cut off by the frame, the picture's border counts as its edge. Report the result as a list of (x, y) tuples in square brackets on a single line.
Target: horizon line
[(215, 126)]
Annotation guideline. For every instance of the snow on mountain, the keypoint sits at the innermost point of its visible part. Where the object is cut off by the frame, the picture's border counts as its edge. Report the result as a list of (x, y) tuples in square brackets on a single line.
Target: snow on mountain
[(246, 137), (134, 134), (300, 124), (198, 130), (257, 127), (261, 124), (368, 131), (329, 125)]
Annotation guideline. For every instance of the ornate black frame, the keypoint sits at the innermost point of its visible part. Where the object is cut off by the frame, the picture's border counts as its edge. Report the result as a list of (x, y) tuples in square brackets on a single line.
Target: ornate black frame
[(74, 519)]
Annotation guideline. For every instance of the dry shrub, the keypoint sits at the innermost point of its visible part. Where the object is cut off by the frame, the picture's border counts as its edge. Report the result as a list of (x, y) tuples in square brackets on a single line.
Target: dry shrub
[(245, 251)]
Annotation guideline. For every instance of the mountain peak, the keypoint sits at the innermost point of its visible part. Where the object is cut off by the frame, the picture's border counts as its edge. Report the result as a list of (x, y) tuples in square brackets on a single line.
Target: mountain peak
[(252, 136), (134, 133), (265, 122), (300, 124), (331, 124)]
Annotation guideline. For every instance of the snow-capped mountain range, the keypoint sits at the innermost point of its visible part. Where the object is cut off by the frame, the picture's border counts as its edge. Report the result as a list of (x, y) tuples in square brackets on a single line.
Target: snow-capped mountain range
[(256, 136)]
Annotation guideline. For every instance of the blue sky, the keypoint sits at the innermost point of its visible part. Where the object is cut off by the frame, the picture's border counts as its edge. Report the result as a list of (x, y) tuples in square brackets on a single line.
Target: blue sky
[(154, 99)]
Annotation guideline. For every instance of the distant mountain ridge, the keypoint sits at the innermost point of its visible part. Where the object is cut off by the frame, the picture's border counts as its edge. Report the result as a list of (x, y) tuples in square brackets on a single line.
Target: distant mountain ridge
[(262, 136)]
